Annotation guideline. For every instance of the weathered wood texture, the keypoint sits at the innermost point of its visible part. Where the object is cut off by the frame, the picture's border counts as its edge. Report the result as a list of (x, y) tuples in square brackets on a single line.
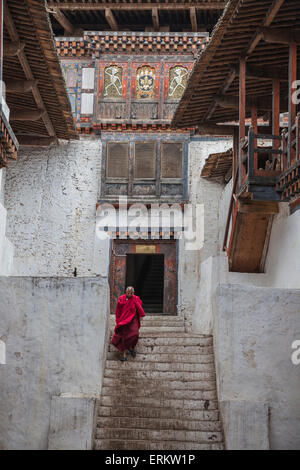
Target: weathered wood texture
[(38, 63), (236, 35)]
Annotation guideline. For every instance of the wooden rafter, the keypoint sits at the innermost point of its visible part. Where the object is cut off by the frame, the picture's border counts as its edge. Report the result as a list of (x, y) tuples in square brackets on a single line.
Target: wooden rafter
[(268, 73), (13, 48), (200, 5), (110, 18), (155, 19), (14, 36), (193, 16), (20, 86), (63, 20), (273, 10), (279, 36)]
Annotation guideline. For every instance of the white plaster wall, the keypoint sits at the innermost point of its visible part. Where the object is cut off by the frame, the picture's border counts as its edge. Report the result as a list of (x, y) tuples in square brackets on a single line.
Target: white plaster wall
[(51, 197), (55, 333), (254, 328), (6, 247), (282, 264), (208, 193)]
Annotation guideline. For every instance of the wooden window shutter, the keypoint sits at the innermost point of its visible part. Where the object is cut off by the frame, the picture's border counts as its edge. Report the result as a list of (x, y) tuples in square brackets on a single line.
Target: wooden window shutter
[(171, 160), (117, 160), (145, 160)]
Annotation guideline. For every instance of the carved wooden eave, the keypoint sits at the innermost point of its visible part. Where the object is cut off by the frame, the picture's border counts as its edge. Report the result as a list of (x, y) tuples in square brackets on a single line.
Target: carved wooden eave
[(94, 44), (40, 110), (248, 70), (139, 126)]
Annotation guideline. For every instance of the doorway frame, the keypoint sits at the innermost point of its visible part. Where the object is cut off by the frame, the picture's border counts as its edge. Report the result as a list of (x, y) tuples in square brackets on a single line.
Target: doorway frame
[(121, 247)]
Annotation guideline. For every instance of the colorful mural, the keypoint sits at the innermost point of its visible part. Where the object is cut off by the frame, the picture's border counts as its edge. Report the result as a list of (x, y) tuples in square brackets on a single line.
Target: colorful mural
[(113, 76), (145, 82), (178, 77)]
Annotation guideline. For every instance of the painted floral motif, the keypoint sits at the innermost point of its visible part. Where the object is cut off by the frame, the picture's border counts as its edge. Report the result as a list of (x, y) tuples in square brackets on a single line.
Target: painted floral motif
[(145, 81), (113, 81), (177, 81)]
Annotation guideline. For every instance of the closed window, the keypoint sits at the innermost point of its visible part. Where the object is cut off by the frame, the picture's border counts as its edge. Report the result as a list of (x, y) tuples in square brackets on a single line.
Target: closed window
[(145, 160), (117, 160), (171, 160)]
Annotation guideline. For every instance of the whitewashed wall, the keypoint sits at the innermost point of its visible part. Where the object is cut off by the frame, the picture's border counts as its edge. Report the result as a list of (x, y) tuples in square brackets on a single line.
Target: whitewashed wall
[(6, 247), (51, 197), (254, 328), (208, 193), (55, 331)]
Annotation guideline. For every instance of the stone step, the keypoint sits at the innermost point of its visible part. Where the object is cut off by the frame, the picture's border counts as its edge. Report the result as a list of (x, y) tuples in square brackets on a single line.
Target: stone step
[(158, 384), (141, 348), (115, 444), (145, 330), (157, 318), (172, 435), (160, 393), (158, 402), (158, 375), (159, 413), (173, 358), (157, 423), (179, 339), (131, 365)]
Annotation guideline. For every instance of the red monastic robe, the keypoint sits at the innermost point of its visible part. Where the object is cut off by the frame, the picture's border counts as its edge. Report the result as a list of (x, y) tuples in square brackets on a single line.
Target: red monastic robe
[(128, 315)]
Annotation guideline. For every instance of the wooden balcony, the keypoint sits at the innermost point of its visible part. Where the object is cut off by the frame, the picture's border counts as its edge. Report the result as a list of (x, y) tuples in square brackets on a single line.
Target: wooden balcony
[(254, 202)]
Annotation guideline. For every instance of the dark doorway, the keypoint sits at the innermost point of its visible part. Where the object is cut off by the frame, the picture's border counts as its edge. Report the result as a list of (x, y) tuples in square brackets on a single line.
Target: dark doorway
[(146, 274)]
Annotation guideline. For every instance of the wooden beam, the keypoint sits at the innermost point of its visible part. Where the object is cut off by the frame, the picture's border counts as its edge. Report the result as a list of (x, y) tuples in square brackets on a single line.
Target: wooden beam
[(26, 115), (155, 19), (11, 49), (109, 16), (228, 81), (209, 128), (232, 102), (63, 20), (14, 36), (36, 141), (276, 116), (280, 36), (193, 16), (271, 14), (200, 5), (20, 86), (292, 103), (242, 115), (214, 129), (254, 125), (268, 73)]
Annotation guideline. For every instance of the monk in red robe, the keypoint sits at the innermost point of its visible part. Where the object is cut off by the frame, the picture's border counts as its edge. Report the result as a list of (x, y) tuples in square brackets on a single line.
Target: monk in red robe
[(128, 322)]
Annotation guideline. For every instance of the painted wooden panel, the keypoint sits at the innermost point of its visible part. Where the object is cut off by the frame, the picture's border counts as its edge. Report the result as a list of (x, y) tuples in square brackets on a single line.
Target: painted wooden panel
[(87, 103), (114, 110), (88, 78), (144, 110)]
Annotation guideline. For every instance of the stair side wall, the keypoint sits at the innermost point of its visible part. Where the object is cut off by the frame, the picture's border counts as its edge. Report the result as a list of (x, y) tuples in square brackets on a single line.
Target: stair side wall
[(55, 334), (254, 330), (6, 247)]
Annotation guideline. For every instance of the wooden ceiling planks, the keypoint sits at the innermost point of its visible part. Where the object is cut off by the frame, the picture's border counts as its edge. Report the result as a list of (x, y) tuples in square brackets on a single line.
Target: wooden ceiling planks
[(137, 15), (27, 21), (212, 74)]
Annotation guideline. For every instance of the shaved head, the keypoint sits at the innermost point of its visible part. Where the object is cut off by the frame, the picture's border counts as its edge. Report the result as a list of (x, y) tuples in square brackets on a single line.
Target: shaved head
[(129, 291)]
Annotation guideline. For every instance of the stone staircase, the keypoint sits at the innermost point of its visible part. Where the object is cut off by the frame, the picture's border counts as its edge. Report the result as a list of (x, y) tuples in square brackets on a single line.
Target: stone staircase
[(165, 398)]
